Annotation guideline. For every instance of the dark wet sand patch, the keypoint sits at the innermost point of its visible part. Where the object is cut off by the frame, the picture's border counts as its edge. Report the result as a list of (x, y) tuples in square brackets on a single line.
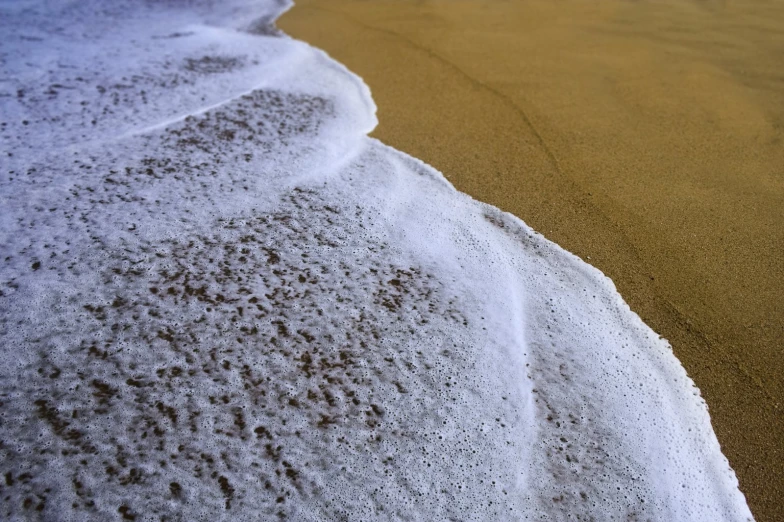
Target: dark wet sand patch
[(646, 138)]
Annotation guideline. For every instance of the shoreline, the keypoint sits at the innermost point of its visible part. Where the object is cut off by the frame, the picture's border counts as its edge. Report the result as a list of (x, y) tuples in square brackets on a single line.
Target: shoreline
[(625, 139)]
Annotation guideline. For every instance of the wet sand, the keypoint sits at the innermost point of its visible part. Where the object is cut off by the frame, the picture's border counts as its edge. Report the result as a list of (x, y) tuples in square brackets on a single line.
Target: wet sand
[(647, 138)]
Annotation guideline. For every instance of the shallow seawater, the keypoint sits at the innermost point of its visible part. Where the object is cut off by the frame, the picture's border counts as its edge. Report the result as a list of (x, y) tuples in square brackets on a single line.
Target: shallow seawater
[(222, 300)]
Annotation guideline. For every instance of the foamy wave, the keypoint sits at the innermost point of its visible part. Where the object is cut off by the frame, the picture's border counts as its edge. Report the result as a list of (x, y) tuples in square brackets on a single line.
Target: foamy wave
[(221, 300)]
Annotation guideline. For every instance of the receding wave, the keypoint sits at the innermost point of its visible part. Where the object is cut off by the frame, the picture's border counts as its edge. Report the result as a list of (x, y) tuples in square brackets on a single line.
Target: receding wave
[(221, 300)]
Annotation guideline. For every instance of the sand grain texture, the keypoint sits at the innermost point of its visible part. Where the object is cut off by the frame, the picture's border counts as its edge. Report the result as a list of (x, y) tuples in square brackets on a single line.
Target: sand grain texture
[(644, 137)]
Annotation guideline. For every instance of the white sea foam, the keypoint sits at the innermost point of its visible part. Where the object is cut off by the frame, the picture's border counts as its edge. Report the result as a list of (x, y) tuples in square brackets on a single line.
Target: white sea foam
[(222, 301)]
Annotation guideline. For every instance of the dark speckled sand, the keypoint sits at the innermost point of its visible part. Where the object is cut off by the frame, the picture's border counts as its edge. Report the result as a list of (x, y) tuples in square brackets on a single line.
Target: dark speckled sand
[(646, 137)]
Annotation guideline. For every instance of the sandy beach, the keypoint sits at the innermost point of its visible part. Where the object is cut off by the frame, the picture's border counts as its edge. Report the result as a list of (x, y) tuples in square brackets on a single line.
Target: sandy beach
[(647, 138)]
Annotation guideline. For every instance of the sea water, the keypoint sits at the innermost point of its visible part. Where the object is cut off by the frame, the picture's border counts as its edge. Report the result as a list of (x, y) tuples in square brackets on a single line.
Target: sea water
[(221, 300)]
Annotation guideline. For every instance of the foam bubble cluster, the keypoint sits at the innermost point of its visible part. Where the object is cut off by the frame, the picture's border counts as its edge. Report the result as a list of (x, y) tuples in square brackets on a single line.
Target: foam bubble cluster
[(222, 301)]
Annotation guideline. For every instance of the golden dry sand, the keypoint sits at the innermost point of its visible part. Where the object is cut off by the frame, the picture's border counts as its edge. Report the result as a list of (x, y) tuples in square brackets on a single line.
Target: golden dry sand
[(646, 137)]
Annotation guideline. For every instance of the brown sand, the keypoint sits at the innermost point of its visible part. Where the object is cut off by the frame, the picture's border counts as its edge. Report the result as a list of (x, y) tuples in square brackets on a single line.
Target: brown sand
[(646, 137)]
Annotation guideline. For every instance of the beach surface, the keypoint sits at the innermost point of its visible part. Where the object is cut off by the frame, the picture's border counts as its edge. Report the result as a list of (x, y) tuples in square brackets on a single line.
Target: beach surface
[(644, 137), (220, 299)]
